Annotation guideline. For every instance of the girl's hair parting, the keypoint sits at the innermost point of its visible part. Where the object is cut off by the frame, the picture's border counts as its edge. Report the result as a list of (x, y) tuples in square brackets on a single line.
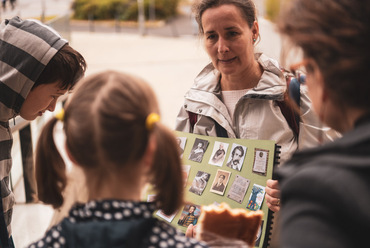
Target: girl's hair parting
[(104, 124)]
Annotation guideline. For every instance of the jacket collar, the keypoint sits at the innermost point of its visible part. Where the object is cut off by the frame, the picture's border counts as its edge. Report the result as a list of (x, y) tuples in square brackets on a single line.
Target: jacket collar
[(272, 82)]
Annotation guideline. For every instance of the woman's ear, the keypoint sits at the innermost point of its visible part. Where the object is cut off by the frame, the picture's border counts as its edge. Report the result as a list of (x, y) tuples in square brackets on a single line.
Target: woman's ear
[(255, 30)]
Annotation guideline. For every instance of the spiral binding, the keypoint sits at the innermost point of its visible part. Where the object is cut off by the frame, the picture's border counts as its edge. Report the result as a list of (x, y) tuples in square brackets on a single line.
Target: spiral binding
[(270, 215)]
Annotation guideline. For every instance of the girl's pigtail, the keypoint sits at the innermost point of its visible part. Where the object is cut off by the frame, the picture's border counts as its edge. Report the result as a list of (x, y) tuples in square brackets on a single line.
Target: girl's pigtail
[(167, 171), (50, 168)]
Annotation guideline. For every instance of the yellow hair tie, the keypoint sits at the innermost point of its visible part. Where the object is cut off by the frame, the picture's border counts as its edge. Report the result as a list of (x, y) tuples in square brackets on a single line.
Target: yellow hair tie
[(150, 120), (60, 115)]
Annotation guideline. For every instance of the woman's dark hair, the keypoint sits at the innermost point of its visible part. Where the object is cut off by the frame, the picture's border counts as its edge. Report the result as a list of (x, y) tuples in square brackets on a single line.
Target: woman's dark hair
[(67, 67), (335, 34), (246, 7), (105, 128)]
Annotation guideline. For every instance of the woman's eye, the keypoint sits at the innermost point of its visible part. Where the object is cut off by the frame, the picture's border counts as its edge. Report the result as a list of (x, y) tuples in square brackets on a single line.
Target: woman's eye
[(211, 37), (232, 34)]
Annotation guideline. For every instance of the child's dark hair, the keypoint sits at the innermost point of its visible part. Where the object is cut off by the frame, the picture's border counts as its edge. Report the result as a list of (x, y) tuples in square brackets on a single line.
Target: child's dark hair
[(67, 67), (105, 127)]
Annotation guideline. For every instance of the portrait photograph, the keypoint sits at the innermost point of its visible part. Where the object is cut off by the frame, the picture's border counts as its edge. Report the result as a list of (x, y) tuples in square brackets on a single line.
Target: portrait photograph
[(220, 182), (200, 182), (198, 150), (218, 153), (189, 215), (236, 157)]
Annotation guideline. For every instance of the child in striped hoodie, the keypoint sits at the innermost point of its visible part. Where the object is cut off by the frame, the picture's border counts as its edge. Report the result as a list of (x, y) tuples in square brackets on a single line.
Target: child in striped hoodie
[(36, 67)]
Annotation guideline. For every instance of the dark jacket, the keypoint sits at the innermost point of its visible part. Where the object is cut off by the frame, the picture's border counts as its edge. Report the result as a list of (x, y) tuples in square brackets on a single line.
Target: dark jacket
[(114, 223), (326, 193), (26, 47)]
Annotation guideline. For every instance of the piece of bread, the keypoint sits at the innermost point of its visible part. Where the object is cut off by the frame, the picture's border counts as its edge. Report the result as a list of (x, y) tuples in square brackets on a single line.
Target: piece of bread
[(226, 222)]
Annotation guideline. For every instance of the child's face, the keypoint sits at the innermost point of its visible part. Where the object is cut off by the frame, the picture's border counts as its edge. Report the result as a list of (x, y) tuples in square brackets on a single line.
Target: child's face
[(40, 99)]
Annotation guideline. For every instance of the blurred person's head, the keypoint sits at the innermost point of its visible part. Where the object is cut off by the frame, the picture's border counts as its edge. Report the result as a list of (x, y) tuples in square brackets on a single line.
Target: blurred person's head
[(334, 36)]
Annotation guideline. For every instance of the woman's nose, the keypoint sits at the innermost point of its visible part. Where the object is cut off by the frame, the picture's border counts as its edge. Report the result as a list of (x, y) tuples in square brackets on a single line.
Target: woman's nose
[(222, 46)]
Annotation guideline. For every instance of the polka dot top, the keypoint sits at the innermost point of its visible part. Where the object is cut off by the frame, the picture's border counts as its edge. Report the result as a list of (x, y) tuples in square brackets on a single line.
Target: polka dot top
[(114, 223)]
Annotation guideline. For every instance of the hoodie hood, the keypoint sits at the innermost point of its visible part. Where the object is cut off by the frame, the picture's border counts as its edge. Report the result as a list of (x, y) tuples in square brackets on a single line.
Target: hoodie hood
[(26, 47)]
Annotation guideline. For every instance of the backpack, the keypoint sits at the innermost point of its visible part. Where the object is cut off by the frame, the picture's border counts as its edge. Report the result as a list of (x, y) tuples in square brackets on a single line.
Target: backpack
[(286, 106)]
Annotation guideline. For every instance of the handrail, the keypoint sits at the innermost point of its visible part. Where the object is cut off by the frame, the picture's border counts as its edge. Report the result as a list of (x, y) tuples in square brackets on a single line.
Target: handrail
[(18, 124)]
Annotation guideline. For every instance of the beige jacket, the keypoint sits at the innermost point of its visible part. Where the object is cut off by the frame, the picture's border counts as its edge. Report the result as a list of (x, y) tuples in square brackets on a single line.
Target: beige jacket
[(256, 116)]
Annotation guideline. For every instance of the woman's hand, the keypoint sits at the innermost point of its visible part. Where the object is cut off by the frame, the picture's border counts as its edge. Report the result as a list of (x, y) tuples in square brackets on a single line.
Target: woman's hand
[(191, 231), (273, 195)]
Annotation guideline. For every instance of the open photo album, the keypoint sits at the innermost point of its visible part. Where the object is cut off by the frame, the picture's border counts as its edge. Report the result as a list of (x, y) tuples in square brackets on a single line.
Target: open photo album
[(217, 170)]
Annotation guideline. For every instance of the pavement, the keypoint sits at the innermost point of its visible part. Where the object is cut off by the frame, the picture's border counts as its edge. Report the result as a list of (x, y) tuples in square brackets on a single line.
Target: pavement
[(168, 57)]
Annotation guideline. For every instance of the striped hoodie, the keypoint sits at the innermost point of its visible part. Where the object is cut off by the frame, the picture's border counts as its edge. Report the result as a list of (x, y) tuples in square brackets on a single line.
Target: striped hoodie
[(26, 47)]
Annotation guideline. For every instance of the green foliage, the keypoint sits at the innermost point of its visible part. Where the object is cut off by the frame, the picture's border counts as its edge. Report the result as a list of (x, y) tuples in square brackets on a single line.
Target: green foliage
[(122, 9), (272, 9)]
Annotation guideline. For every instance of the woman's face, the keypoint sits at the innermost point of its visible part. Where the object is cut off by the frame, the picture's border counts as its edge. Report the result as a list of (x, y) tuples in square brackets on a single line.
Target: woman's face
[(228, 39)]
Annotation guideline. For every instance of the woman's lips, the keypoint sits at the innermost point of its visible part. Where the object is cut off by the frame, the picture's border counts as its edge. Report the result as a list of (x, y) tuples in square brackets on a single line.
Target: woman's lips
[(226, 61)]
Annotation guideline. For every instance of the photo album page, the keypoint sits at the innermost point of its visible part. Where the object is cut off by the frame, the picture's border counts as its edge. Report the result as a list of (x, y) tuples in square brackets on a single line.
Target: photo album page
[(218, 170)]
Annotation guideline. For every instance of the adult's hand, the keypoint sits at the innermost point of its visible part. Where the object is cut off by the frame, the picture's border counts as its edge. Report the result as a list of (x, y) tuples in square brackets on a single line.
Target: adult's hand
[(273, 195)]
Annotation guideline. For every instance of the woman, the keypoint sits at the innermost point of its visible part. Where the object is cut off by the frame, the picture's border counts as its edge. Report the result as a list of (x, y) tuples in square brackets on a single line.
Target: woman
[(325, 190), (108, 113), (237, 95)]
